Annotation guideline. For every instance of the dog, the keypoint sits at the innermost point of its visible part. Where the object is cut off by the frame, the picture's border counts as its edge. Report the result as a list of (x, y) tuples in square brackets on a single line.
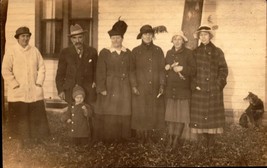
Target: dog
[(253, 114)]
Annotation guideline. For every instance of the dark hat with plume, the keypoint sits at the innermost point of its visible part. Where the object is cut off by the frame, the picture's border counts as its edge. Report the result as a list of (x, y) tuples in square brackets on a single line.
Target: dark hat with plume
[(148, 29), (119, 28)]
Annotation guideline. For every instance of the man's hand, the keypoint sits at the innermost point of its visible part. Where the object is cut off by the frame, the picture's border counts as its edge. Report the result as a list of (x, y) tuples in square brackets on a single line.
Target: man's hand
[(62, 95)]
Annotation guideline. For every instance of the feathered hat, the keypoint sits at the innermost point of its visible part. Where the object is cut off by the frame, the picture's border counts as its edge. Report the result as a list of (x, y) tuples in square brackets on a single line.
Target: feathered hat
[(148, 29), (119, 28)]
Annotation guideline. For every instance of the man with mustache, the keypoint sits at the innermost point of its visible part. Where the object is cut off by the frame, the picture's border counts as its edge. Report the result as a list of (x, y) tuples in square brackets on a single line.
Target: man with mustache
[(77, 66)]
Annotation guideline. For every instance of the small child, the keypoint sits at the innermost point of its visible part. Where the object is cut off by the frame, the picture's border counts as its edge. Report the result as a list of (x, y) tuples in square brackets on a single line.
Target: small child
[(77, 117)]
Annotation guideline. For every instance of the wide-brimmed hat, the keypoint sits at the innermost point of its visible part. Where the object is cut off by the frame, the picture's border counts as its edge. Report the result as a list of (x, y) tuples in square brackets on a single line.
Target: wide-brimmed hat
[(22, 30), (203, 28), (76, 29), (145, 29), (78, 90), (179, 33), (119, 28)]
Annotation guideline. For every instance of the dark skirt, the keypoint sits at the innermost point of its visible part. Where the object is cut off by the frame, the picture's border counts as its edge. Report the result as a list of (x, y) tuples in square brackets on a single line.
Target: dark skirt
[(28, 120), (111, 127)]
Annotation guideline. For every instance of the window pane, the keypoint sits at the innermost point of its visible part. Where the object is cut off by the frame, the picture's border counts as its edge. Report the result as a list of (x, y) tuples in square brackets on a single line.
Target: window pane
[(52, 9), (81, 9), (51, 37)]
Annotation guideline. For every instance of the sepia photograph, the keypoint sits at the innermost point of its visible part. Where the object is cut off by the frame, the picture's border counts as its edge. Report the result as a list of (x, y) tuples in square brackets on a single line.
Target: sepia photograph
[(133, 83)]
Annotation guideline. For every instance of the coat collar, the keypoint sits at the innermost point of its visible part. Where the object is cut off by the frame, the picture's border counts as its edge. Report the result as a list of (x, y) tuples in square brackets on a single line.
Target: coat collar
[(209, 45), (147, 46), (179, 51), (112, 49), (21, 48)]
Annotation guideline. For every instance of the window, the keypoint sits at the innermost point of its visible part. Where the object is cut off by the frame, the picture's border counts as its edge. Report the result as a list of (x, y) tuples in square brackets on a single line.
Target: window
[(53, 20)]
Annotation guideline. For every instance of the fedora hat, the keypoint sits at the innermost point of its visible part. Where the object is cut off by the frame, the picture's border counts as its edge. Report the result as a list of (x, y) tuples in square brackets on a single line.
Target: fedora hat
[(22, 30), (180, 33), (145, 29), (203, 28), (76, 29)]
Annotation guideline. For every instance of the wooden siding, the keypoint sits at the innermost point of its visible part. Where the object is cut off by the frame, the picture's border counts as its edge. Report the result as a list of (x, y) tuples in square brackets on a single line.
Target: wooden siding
[(136, 14), (242, 37)]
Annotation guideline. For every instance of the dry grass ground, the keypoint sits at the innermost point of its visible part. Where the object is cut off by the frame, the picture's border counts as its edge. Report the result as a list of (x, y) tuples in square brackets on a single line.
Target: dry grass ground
[(236, 147)]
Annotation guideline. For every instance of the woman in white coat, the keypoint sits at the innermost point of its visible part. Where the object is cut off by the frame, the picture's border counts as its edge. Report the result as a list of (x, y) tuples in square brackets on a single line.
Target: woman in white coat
[(23, 71)]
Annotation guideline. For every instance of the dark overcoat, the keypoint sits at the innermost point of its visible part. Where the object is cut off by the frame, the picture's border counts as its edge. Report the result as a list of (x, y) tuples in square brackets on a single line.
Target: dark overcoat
[(207, 107), (148, 76), (113, 76), (177, 87), (79, 126), (74, 70)]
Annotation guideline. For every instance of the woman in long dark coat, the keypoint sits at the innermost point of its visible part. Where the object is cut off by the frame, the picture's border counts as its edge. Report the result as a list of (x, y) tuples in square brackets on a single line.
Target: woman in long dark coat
[(148, 82), (207, 107), (113, 107)]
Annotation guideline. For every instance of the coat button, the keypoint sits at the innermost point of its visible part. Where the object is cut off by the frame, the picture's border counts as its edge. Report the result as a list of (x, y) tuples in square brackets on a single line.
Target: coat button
[(72, 130), (150, 82), (72, 114), (207, 79), (173, 89), (150, 70), (206, 118), (72, 122), (150, 59)]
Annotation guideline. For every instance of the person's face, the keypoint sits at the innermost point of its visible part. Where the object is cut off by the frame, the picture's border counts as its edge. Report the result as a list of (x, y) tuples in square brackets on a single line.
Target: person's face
[(177, 41), (24, 39), (116, 41), (204, 37), (79, 99), (77, 40), (147, 37)]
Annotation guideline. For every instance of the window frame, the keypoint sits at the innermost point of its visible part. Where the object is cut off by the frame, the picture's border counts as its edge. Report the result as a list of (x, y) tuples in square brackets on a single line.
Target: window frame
[(92, 34)]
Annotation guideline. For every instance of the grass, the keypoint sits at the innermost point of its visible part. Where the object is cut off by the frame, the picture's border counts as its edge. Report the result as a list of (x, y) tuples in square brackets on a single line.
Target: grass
[(235, 147)]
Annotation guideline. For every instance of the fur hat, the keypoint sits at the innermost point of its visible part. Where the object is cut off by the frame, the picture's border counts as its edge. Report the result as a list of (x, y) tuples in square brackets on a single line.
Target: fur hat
[(203, 28), (119, 28), (180, 33), (22, 30), (76, 29), (145, 29), (78, 90)]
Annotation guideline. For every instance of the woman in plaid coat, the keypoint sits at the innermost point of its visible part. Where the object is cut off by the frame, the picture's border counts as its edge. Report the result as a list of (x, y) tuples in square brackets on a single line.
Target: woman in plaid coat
[(207, 109)]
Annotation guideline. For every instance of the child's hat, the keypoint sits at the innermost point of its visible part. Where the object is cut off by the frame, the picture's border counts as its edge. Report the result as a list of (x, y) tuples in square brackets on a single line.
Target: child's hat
[(78, 90)]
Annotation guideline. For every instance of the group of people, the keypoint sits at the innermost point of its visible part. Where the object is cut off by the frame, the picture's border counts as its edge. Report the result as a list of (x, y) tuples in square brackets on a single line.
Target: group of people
[(119, 92)]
